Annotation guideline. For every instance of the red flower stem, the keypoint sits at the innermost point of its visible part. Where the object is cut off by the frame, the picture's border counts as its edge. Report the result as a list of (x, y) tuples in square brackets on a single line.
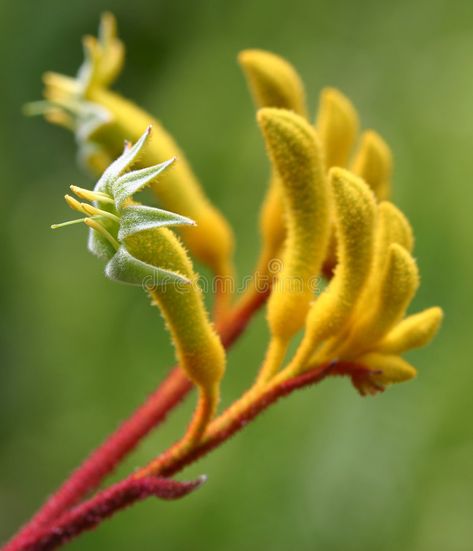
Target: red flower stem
[(235, 418), (153, 412), (87, 516), (91, 513)]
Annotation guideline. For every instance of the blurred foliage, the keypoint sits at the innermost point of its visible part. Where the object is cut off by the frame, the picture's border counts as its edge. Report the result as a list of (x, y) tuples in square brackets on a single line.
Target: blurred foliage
[(325, 469)]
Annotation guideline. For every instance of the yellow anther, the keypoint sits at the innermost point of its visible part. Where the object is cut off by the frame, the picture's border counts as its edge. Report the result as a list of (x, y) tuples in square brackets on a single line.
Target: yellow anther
[(94, 211), (74, 204), (91, 195), (102, 231), (68, 85)]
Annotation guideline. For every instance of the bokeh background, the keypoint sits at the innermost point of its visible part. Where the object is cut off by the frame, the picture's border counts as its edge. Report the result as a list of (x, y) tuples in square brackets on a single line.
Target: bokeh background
[(324, 470)]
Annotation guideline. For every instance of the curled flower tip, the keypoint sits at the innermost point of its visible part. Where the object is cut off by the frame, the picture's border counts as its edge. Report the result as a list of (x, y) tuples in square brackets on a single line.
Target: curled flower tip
[(337, 125), (413, 332), (373, 162), (273, 81)]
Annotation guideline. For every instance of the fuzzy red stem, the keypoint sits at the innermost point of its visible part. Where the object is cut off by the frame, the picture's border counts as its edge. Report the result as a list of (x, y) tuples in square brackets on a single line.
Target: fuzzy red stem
[(153, 412), (92, 512), (217, 437), (88, 515)]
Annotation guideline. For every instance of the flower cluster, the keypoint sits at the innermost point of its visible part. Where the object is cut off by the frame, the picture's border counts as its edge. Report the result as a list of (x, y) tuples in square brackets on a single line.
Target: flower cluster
[(337, 220), (326, 214)]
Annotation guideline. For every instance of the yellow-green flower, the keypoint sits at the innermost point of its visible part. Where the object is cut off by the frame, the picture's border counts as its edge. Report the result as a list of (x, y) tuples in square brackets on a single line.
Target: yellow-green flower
[(139, 249), (102, 119)]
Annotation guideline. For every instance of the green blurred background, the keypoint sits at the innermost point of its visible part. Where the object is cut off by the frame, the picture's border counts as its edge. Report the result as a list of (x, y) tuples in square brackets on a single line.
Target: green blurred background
[(324, 470)]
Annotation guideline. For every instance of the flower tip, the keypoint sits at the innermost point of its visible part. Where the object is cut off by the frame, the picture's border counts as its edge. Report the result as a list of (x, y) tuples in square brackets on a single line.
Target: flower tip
[(256, 59), (337, 99), (374, 140), (244, 57), (89, 42), (342, 179), (437, 313), (268, 117), (108, 19)]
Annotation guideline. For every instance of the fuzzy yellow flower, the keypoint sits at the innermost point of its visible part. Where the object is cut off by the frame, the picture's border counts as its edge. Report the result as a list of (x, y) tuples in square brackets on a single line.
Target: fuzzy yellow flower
[(360, 318)]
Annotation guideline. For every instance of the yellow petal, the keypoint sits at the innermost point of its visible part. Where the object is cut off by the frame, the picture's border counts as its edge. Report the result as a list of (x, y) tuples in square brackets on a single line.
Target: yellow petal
[(337, 125), (373, 162), (295, 152), (387, 369), (273, 81), (413, 332)]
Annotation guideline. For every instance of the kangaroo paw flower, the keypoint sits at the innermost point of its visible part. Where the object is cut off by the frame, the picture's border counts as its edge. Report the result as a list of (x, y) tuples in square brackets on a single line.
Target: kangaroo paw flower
[(140, 250)]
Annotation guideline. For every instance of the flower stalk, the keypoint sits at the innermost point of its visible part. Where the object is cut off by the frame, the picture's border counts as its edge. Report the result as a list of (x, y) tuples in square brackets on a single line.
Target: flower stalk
[(326, 212)]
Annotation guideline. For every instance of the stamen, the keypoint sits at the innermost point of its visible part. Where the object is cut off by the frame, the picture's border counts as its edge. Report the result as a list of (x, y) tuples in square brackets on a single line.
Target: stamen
[(67, 84), (69, 223), (74, 204), (94, 211), (91, 195), (100, 229)]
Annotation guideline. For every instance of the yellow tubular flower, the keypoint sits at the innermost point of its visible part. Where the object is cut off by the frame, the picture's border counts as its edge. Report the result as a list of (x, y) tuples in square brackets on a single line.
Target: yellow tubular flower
[(140, 250), (373, 162), (295, 153), (337, 126), (355, 209), (102, 120), (273, 82), (198, 348), (413, 332)]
